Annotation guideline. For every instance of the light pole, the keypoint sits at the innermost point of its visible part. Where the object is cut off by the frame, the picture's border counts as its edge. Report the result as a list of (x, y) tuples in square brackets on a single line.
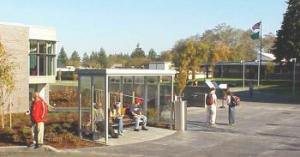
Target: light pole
[(258, 71), (222, 71), (294, 75), (243, 63)]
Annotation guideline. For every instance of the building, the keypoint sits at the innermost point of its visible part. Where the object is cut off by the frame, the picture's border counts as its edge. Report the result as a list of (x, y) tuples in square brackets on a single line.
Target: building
[(32, 49), (161, 65)]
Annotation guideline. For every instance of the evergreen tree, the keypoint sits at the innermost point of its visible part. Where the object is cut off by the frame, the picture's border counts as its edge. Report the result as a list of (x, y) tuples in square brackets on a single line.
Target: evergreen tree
[(62, 58), (102, 58), (138, 52), (93, 60), (287, 44), (152, 54), (85, 60), (74, 59)]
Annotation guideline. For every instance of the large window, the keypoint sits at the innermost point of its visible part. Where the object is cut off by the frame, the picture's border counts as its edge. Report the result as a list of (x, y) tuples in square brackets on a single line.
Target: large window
[(42, 58)]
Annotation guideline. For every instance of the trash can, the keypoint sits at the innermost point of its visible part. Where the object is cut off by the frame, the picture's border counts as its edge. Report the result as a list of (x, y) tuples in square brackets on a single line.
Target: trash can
[(180, 115)]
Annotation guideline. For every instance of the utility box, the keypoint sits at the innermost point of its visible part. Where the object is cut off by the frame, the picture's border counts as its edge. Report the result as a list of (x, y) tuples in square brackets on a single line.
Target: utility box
[(180, 115)]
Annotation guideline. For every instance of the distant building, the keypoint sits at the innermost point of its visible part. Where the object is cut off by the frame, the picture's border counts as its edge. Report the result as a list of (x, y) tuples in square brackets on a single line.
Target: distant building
[(117, 65), (266, 56), (161, 65), (33, 49)]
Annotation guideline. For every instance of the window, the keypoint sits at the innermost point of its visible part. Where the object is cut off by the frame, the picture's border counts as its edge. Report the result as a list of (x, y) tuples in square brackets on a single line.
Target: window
[(42, 58), (33, 58)]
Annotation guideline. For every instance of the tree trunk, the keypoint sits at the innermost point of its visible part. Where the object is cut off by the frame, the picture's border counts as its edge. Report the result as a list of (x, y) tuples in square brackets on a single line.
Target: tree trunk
[(10, 117), (2, 115)]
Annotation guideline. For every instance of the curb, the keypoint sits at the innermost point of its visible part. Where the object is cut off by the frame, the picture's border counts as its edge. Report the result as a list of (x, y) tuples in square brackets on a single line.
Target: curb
[(27, 149)]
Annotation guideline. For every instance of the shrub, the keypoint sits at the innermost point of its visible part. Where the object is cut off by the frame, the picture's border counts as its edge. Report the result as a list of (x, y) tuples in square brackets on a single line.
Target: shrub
[(8, 134)]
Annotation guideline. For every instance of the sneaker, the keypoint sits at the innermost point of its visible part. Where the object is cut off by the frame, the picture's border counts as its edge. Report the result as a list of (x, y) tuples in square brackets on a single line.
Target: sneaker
[(38, 146), (136, 130), (144, 128), (32, 145)]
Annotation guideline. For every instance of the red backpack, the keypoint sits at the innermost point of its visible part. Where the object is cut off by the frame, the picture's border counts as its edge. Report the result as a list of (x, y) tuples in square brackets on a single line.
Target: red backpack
[(209, 99), (235, 100), (45, 110)]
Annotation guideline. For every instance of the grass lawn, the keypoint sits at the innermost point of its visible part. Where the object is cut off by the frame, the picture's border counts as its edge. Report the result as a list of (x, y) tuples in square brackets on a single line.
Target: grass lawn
[(277, 87)]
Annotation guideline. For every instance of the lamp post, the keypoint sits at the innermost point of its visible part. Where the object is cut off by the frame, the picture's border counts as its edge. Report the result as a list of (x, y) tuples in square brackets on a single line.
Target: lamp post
[(243, 63), (294, 74), (258, 71)]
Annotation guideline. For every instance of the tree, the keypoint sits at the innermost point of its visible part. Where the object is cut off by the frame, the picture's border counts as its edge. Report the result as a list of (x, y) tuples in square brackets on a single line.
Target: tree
[(74, 59), (238, 41), (62, 58), (93, 60), (138, 52), (7, 82), (102, 58), (123, 59), (269, 69), (85, 60), (98, 59), (287, 44), (152, 54), (268, 42), (181, 59), (199, 56), (166, 55)]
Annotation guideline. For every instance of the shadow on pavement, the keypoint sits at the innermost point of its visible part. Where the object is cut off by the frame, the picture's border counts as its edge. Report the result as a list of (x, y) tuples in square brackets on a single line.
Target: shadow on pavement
[(202, 126), (267, 98), (277, 135)]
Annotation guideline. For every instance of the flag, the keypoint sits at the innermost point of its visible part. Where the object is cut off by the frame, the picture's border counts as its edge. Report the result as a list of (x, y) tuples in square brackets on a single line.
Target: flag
[(255, 35), (256, 30), (256, 26)]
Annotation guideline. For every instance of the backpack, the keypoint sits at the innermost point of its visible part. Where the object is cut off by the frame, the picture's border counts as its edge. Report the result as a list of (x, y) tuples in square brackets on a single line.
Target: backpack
[(45, 111), (209, 99), (235, 100)]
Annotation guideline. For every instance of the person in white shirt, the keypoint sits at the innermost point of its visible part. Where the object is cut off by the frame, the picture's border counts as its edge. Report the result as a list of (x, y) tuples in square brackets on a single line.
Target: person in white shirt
[(211, 103)]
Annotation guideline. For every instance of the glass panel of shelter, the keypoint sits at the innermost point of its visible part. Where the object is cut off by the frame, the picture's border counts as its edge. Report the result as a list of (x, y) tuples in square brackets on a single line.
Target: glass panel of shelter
[(85, 120), (92, 112), (98, 108)]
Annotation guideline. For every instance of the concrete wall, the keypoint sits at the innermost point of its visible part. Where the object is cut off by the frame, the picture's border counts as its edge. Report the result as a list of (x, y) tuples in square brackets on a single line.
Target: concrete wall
[(15, 39)]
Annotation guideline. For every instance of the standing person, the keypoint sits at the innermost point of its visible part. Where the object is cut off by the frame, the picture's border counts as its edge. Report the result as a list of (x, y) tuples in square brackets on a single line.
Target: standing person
[(211, 103), (38, 114), (232, 101), (250, 89)]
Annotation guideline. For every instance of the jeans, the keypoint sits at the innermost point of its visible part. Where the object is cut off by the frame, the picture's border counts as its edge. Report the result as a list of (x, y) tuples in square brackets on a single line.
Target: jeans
[(119, 121), (138, 119), (231, 110)]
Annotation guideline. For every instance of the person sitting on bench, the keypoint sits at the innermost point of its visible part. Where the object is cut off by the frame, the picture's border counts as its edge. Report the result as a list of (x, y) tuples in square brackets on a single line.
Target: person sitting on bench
[(137, 113), (99, 120), (118, 116)]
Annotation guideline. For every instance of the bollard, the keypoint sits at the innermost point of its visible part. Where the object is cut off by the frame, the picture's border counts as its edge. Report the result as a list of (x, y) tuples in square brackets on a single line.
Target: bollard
[(180, 115)]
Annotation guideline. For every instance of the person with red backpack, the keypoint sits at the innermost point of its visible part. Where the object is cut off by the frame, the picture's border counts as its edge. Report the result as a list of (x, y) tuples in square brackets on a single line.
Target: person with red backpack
[(211, 104), (232, 102), (38, 113)]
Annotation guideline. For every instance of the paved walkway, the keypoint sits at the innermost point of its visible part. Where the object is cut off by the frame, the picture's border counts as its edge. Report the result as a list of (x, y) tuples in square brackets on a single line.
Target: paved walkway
[(131, 137), (262, 130)]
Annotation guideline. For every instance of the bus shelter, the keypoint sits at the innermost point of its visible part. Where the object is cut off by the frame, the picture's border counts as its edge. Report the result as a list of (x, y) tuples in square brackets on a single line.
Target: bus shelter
[(99, 89)]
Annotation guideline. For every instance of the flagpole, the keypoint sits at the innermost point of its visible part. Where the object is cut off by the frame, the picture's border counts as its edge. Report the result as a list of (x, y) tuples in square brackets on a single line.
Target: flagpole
[(260, 56)]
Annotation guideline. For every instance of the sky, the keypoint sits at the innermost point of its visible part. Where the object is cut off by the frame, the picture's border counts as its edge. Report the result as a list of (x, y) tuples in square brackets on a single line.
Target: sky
[(118, 25)]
